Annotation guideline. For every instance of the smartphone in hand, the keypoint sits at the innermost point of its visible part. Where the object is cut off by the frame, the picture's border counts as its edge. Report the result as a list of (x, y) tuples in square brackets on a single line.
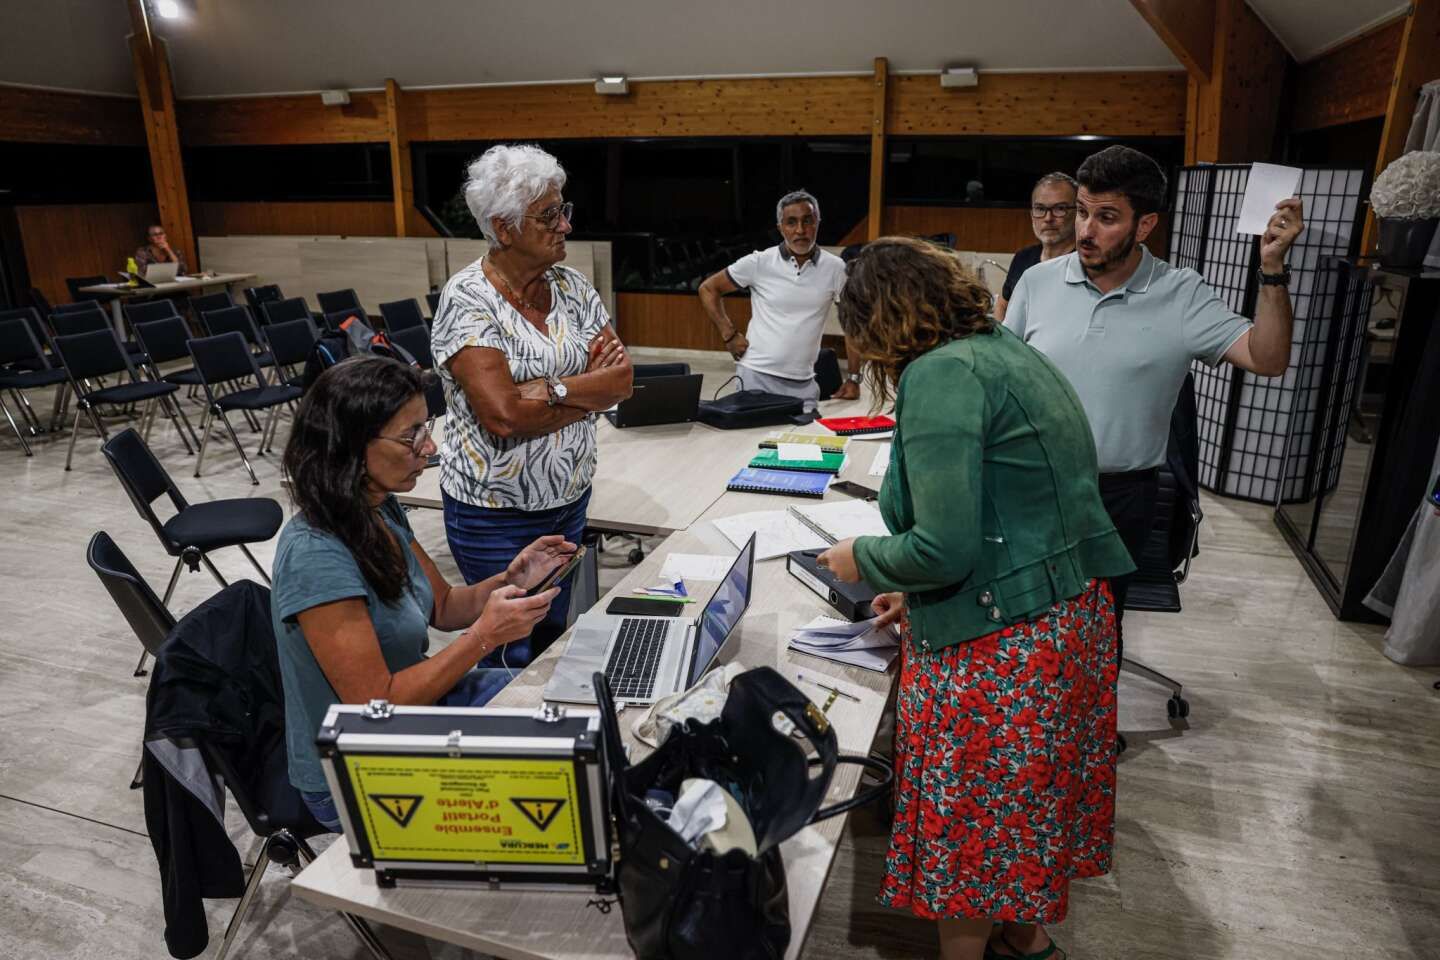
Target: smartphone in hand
[(558, 576)]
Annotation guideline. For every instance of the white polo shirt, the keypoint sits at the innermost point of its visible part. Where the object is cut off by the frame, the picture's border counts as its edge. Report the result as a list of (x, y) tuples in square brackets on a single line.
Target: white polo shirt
[(788, 306)]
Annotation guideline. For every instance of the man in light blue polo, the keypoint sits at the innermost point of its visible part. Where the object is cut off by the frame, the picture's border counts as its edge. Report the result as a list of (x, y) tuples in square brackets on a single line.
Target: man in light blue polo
[(1124, 326)]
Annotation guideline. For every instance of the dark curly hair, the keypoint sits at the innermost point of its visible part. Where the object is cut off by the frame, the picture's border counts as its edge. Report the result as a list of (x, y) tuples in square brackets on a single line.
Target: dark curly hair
[(904, 297), (1126, 171), (346, 408)]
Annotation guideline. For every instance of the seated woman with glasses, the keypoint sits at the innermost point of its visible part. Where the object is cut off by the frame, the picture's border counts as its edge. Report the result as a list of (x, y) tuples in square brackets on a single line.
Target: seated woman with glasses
[(527, 356), (1052, 217), (354, 594)]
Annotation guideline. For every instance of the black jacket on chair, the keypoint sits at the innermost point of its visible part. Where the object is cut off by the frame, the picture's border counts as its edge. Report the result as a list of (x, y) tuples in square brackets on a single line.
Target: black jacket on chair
[(216, 680)]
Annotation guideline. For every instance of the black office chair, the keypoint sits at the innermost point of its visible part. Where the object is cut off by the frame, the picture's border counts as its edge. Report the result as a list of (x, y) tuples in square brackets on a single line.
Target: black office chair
[(238, 320), (225, 358), (256, 297), (147, 616), (279, 311), (416, 342), (204, 303), (228, 642), (433, 300), (336, 300), (73, 284), (164, 341), (195, 529), (1164, 563), (24, 366), (291, 343), (400, 314), (89, 356)]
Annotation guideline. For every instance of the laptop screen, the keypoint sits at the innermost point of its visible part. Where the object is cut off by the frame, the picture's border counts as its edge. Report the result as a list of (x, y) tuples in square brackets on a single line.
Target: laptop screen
[(723, 612)]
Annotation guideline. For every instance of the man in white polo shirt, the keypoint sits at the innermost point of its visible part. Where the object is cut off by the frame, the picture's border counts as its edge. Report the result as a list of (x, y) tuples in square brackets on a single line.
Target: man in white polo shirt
[(1123, 327), (791, 288)]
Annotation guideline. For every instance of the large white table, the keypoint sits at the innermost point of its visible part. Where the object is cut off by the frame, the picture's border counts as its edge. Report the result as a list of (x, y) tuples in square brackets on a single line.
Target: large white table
[(120, 292), (530, 925)]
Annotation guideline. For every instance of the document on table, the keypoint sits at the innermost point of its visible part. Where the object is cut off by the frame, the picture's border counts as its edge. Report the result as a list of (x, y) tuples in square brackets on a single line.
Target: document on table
[(881, 463), (696, 566), (1267, 186), (858, 644), (842, 519), (776, 533), (807, 452)]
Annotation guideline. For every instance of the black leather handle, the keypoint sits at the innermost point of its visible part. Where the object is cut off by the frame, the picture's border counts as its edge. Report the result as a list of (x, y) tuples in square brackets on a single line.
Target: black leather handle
[(870, 795)]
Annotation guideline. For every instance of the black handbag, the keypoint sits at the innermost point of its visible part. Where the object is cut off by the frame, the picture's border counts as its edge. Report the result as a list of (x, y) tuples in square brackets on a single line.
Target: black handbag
[(680, 903), (751, 408), (827, 373)]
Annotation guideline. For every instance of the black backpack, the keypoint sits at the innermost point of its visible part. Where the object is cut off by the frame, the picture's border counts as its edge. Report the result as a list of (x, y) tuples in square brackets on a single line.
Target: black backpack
[(353, 339), (752, 408)]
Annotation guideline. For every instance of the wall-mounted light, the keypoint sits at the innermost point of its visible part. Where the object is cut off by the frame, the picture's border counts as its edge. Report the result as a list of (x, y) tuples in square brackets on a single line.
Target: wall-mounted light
[(335, 98), (952, 77), (169, 9), (612, 86)]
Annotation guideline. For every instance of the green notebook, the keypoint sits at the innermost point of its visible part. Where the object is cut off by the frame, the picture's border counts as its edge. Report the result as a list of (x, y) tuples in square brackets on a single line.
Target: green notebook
[(769, 458)]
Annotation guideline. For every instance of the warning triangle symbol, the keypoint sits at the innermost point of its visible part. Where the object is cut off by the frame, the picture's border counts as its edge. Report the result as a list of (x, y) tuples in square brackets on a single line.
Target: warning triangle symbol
[(538, 810), (400, 807)]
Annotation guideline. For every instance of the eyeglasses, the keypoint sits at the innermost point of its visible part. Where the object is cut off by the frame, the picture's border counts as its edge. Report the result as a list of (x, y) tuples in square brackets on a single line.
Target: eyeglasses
[(1040, 211), (551, 216), (416, 442)]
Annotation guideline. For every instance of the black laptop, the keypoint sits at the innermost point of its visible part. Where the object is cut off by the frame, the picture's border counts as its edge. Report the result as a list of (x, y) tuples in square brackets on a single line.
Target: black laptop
[(674, 399)]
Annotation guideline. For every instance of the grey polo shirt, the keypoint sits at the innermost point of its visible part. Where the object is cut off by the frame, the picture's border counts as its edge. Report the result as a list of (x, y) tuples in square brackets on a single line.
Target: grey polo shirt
[(1125, 352)]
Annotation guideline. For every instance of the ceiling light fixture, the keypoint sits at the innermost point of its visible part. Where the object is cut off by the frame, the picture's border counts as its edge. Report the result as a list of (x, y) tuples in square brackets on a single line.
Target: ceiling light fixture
[(169, 9), (613, 86), (952, 77)]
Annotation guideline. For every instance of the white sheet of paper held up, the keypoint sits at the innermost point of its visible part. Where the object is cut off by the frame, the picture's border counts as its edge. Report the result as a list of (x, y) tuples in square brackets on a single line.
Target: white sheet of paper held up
[(1267, 186)]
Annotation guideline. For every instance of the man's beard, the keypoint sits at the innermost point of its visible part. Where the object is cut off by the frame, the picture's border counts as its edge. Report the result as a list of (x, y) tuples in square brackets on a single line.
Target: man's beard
[(1112, 258)]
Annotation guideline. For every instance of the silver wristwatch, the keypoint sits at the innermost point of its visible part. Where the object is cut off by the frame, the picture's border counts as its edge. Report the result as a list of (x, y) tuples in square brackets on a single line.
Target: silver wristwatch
[(854, 378), (557, 389)]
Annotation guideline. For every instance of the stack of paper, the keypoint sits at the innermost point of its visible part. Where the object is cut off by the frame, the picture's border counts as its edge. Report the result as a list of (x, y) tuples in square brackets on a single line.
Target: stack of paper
[(776, 533), (881, 464), (842, 519), (858, 644)]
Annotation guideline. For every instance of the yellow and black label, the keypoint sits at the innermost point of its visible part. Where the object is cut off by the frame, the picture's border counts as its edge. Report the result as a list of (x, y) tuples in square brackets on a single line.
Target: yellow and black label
[(468, 809)]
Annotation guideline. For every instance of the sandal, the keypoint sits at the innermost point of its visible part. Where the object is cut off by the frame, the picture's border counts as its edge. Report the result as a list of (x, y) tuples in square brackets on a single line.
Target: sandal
[(1052, 951)]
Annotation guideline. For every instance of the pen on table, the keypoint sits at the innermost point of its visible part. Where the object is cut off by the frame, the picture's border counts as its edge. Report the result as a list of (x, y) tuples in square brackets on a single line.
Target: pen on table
[(806, 678)]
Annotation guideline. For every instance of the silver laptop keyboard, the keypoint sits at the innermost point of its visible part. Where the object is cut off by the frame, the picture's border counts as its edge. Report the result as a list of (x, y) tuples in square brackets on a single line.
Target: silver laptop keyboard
[(636, 657)]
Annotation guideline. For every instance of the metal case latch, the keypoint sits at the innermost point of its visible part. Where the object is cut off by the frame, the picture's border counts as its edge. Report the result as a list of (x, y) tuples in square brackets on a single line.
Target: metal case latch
[(378, 710), (550, 713), (452, 743)]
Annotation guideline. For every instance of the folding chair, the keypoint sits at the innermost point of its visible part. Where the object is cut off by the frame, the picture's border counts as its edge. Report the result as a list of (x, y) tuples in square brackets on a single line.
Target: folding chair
[(165, 341), (89, 356), (279, 311), (73, 284), (24, 366), (143, 311), (335, 319), (400, 314), (416, 341), (433, 299), (336, 300), (205, 303), (238, 320), (224, 358), (290, 345), (87, 317), (257, 296)]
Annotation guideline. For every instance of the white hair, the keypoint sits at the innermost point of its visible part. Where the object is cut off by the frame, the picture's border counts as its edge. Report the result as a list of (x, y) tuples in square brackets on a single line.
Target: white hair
[(506, 180), (796, 196)]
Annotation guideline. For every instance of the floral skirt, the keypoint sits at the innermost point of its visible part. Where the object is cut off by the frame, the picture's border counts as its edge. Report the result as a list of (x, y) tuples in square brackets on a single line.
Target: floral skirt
[(1005, 767)]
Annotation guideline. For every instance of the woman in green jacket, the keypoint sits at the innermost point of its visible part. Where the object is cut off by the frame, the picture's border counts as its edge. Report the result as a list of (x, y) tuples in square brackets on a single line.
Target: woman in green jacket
[(996, 569)]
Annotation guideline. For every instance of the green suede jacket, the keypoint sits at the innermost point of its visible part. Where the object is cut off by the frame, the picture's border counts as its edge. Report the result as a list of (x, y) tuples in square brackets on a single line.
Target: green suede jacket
[(992, 493)]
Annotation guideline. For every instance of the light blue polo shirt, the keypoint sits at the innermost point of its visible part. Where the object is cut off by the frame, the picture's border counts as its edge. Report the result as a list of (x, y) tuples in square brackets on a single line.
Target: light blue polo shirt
[(1125, 352)]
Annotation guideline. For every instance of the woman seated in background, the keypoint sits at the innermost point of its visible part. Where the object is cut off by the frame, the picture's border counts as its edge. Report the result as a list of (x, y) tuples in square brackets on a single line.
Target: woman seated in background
[(527, 356), (1000, 549), (354, 594), (157, 249)]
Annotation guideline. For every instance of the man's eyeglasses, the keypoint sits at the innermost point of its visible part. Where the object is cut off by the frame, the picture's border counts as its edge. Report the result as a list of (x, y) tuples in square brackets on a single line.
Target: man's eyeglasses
[(1040, 211), (416, 441), (551, 216)]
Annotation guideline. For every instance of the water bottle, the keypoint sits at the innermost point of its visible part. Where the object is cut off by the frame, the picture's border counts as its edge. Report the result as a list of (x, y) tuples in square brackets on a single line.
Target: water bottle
[(132, 269)]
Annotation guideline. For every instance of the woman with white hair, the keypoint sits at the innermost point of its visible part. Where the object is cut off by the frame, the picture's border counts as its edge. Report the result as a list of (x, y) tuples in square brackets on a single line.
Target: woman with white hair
[(527, 357)]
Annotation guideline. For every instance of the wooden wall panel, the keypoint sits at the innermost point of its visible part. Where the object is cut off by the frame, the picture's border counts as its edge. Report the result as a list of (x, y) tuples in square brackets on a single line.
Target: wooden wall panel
[(289, 119), (344, 218), (1041, 104), (673, 320), (1236, 112), (47, 116), (1351, 82), (80, 240)]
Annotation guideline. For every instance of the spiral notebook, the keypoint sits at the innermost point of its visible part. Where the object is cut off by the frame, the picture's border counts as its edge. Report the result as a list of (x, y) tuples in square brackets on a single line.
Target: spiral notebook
[(770, 458), (792, 482), (824, 441), (857, 426)]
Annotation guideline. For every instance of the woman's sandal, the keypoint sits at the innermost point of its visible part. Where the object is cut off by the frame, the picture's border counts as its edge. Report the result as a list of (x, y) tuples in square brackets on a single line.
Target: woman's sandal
[(1052, 951)]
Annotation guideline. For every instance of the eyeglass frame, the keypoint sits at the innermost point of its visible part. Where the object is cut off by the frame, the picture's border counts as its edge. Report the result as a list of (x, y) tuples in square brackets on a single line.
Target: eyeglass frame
[(417, 442), (1063, 209), (564, 210)]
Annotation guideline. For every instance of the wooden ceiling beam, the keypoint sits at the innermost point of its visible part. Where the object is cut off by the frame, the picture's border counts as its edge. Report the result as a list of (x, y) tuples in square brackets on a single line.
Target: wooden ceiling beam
[(157, 107), (1187, 27)]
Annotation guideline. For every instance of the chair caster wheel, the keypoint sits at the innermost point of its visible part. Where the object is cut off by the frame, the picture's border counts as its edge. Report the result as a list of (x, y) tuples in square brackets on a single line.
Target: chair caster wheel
[(1177, 707), (635, 556)]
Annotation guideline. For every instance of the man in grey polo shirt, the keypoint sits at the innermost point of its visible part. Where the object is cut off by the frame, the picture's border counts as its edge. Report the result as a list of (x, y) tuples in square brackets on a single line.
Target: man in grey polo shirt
[(1124, 326), (791, 288)]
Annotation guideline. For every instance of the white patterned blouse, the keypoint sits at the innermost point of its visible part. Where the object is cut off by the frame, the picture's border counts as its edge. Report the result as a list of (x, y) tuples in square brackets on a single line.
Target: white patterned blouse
[(535, 473)]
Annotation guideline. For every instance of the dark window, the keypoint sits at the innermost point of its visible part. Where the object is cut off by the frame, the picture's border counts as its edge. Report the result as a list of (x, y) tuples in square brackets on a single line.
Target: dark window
[(74, 173), (992, 171), (1352, 145), (330, 171)]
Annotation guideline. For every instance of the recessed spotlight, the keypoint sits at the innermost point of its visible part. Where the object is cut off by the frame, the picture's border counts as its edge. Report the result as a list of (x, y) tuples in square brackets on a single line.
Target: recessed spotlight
[(612, 85), (169, 9)]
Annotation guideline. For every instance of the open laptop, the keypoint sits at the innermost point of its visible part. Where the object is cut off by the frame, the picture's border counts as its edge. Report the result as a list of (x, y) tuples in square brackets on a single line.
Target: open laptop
[(163, 272), (656, 400), (646, 658)]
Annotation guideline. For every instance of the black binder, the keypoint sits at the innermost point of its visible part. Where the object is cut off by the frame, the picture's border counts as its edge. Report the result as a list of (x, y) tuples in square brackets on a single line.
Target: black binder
[(852, 600)]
